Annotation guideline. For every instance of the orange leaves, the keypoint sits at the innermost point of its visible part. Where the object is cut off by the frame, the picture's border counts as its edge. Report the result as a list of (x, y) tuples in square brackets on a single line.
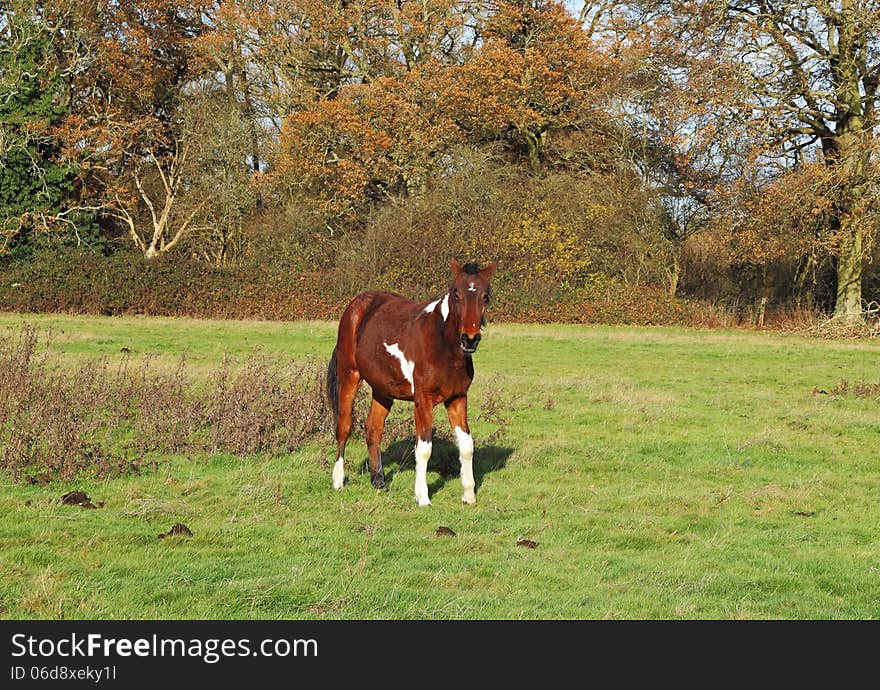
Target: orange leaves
[(376, 139), (487, 94), (140, 58), (537, 71), (401, 97), (333, 151)]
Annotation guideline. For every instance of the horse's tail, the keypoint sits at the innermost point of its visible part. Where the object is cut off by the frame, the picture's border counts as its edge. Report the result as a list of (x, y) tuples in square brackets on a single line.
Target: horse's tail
[(333, 385)]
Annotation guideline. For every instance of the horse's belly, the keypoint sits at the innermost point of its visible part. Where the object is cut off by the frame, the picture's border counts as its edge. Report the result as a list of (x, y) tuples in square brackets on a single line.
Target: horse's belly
[(387, 370)]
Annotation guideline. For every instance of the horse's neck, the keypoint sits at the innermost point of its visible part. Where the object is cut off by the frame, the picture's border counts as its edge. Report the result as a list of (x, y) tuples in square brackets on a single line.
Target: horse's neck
[(450, 333)]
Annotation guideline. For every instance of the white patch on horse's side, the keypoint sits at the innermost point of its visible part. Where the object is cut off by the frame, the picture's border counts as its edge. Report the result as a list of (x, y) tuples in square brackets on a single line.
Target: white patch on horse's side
[(406, 366), (430, 308), (472, 288), (339, 474), (465, 444), (423, 452), (444, 307)]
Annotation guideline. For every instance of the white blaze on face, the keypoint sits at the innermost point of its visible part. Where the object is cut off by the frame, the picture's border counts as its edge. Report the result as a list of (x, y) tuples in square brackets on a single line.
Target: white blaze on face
[(423, 453), (406, 366), (465, 444), (338, 474), (472, 288)]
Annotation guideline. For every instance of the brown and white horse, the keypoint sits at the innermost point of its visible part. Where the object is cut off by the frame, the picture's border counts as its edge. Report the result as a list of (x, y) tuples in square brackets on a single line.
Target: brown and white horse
[(410, 351)]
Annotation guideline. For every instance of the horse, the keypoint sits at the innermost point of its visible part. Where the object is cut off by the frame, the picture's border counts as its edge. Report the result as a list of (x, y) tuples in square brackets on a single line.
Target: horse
[(414, 351)]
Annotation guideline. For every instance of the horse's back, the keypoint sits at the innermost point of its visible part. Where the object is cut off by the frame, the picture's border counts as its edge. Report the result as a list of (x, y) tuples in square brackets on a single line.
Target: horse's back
[(377, 309), (365, 305), (366, 301)]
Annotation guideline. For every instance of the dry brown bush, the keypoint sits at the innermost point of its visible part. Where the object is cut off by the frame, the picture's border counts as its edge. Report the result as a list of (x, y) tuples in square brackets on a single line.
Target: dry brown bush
[(103, 418)]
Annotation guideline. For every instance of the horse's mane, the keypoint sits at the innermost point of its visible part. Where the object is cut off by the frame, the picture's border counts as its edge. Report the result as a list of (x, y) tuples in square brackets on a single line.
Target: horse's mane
[(471, 268)]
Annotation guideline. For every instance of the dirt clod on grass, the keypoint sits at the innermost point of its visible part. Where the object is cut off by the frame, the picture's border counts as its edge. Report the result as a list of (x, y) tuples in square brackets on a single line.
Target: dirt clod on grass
[(178, 529), (444, 532), (527, 543), (79, 498)]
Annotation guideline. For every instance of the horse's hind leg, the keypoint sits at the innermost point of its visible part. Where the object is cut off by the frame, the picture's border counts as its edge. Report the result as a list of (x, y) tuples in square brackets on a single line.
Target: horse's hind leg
[(348, 384), (379, 410)]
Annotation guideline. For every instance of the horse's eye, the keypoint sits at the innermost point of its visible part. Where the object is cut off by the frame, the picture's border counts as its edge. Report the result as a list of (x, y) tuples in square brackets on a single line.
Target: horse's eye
[(485, 298), (456, 294)]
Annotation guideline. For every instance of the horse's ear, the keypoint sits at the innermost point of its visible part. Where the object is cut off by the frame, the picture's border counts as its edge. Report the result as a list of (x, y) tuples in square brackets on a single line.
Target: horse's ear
[(489, 270), (455, 267)]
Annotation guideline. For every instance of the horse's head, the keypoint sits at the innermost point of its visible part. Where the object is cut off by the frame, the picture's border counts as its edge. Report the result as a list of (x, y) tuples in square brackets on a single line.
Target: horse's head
[(468, 297)]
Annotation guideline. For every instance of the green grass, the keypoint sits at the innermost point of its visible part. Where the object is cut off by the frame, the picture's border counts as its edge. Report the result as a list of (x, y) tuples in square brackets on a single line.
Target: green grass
[(664, 473)]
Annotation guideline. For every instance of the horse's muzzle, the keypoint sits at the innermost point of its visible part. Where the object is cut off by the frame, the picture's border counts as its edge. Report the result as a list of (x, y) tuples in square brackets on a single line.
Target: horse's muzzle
[(469, 345)]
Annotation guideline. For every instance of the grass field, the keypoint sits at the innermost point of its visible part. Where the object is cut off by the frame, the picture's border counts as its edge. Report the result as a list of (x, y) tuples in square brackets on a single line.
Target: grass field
[(663, 473)]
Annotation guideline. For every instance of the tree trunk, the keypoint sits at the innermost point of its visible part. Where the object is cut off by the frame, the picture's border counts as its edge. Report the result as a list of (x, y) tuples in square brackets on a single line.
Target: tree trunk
[(762, 309), (805, 281), (674, 274), (848, 306), (533, 146), (850, 152), (250, 114)]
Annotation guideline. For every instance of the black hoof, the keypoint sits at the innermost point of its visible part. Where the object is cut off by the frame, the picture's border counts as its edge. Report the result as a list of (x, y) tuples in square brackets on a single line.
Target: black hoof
[(378, 481)]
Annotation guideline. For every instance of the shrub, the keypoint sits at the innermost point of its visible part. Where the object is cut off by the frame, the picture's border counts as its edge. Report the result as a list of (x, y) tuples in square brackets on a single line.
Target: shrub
[(105, 419)]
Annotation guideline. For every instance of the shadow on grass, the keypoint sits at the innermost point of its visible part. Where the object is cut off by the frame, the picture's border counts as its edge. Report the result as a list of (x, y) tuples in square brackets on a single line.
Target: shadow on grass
[(400, 455)]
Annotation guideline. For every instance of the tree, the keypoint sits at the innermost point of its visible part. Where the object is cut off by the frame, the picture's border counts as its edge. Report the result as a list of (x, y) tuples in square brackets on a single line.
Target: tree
[(357, 97), (529, 73), (38, 194), (372, 143), (220, 179), (803, 77), (229, 47), (126, 128), (535, 73)]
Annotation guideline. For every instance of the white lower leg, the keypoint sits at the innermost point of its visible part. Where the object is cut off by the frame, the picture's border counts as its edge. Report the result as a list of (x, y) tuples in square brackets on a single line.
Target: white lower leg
[(339, 473), (423, 452), (466, 457)]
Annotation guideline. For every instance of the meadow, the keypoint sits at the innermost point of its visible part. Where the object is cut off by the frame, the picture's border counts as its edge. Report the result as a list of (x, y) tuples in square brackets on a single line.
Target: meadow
[(659, 473)]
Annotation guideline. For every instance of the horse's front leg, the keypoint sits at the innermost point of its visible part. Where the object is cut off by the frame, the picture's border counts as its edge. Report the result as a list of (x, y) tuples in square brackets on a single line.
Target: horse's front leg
[(424, 413), (456, 410)]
